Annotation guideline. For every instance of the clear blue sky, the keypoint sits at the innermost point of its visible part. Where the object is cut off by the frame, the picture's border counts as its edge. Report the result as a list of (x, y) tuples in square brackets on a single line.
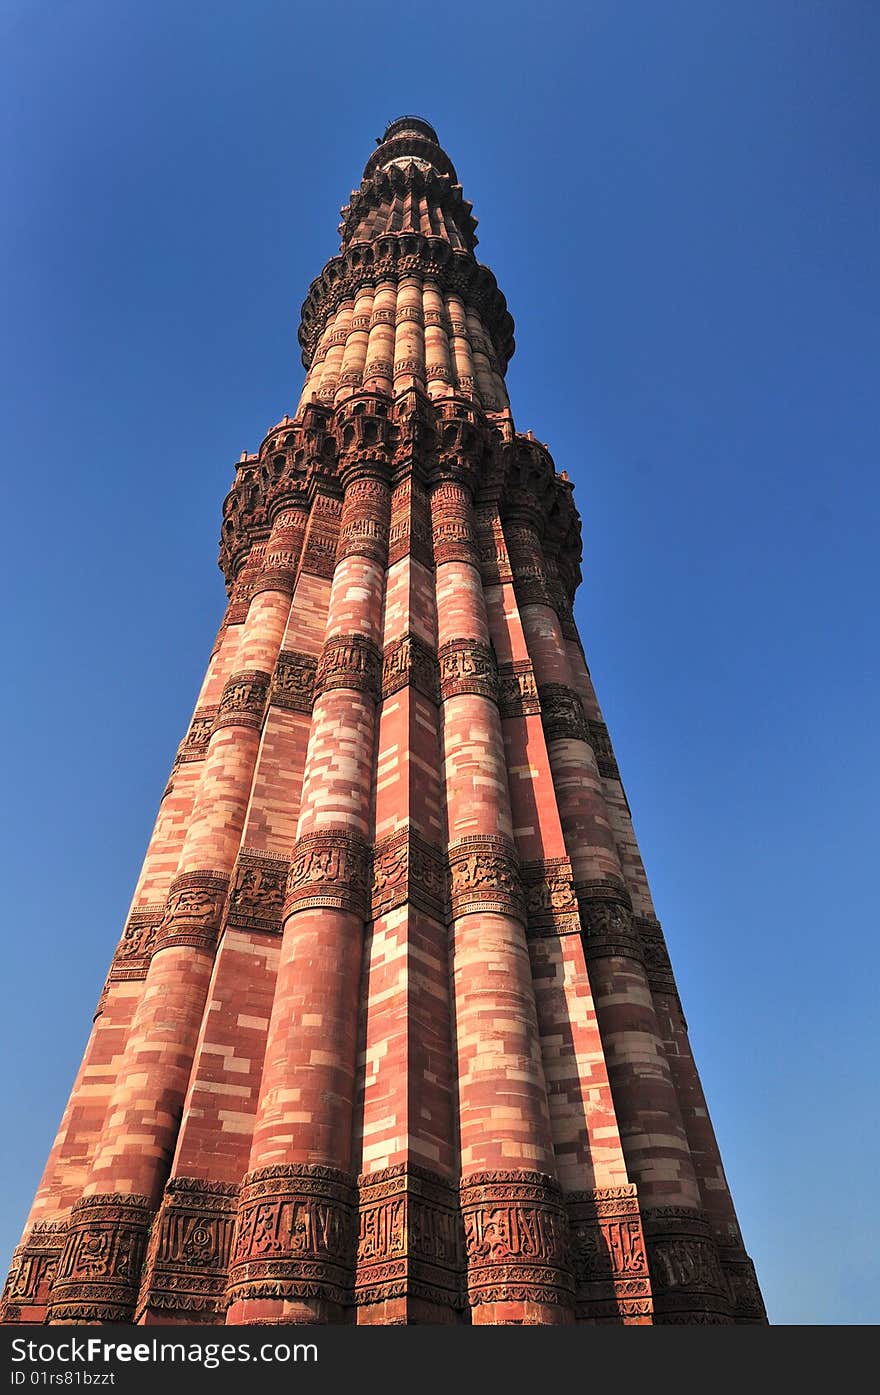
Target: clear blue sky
[(680, 201)]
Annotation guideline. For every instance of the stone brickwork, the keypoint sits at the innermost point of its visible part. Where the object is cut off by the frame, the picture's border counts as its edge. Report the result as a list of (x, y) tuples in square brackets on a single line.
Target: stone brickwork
[(391, 1034)]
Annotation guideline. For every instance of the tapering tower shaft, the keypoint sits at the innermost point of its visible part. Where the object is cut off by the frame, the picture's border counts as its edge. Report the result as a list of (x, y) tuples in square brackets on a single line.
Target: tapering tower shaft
[(391, 1035)]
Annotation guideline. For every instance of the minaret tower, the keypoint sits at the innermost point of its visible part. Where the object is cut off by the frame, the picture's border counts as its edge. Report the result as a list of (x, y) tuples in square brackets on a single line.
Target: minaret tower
[(391, 1035)]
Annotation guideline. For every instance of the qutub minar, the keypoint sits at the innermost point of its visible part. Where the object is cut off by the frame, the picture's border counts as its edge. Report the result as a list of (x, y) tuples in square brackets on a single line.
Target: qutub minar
[(391, 1034)]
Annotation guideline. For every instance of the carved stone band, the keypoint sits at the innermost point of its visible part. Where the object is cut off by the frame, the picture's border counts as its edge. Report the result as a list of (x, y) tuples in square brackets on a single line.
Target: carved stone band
[(244, 700), (99, 1271), (135, 949), (256, 897), (467, 666), (32, 1273), (602, 749), (349, 661), (365, 511), (484, 876), (281, 559), (411, 1239), (453, 541), (194, 745), (319, 553), (295, 1234), (551, 903), (688, 1280), (517, 690), (293, 682), (516, 1239), (407, 870), (193, 911), (409, 661), (746, 1302), (562, 713), (610, 1258), (189, 1251), (607, 922), (329, 870), (656, 956)]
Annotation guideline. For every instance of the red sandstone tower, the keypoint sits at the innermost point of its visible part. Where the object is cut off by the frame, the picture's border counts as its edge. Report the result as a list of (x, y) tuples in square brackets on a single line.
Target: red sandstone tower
[(391, 1034)]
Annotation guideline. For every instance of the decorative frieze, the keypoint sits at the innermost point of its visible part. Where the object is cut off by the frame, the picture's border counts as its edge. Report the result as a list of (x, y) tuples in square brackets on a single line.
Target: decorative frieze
[(410, 1238), (190, 1246), (256, 897), (100, 1267), (562, 713), (484, 876), (746, 1303), (607, 921), (495, 568), (610, 1260), (379, 367), (517, 690), (656, 956), (32, 1272), (601, 743), (350, 661), (452, 524), (468, 666), (365, 520), (193, 911), (295, 1234), (243, 702), (194, 745), (408, 661), (516, 1239), (329, 870), (407, 870), (551, 904), (135, 949), (410, 534), (293, 682), (686, 1274)]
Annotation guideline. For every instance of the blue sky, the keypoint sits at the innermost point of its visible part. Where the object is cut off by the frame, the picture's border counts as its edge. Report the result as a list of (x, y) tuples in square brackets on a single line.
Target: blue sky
[(680, 201)]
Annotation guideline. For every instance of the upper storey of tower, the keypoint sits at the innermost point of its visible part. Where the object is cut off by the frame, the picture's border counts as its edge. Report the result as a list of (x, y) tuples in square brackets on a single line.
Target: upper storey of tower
[(409, 185), (405, 303)]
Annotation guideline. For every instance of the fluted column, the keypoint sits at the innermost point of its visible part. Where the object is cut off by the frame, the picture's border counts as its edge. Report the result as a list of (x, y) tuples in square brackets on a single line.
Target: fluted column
[(293, 1258), (132, 1156), (336, 342), (652, 1131), (517, 1267), (464, 373), (379, 367), (410, 1247), (354, 355), (409, 337), (438, 363), (608, 1246), (717, 1202)]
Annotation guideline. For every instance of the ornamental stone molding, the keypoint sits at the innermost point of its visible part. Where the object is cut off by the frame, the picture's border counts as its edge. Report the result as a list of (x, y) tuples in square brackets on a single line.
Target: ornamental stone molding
[(294, 1234), (99, 1270), (329, 870)]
